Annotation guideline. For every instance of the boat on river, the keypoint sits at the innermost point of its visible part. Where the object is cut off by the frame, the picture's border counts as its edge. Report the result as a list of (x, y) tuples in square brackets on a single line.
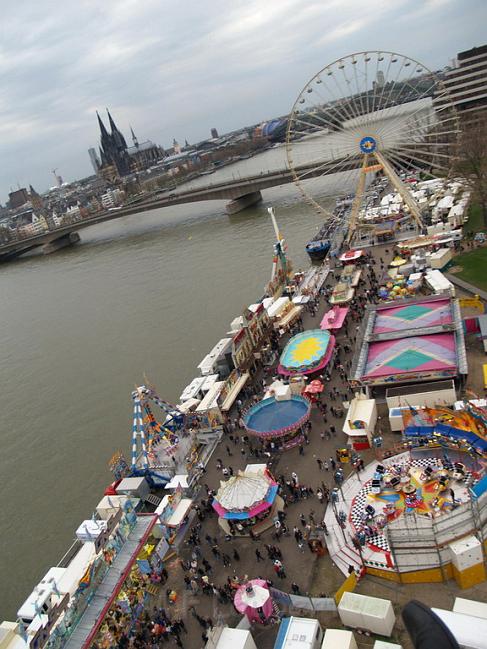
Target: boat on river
[(318, 248)]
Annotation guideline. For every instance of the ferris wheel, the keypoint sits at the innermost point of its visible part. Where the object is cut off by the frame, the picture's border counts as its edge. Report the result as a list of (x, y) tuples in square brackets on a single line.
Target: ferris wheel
[(364, 114)]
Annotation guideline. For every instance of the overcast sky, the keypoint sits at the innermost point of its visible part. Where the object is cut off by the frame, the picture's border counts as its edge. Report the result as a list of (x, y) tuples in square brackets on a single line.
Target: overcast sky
[(177, 68)]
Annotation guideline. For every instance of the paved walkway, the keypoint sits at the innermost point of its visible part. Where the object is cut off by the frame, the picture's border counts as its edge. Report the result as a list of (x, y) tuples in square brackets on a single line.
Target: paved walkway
[(470, 288)]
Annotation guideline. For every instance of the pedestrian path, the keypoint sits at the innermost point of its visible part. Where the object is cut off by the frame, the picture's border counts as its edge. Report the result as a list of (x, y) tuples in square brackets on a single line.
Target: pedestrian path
[(470, 288)]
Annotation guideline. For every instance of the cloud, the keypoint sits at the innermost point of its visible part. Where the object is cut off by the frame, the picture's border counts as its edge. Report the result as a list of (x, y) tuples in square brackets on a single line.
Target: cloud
[(175, 69)]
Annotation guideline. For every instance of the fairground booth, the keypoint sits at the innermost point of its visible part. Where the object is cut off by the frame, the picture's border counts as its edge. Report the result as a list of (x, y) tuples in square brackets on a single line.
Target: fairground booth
[(248, 501), (412, 340), (351, 256), (360, 421), (173, 513), (334, 319), (113, 565), (342, 294)]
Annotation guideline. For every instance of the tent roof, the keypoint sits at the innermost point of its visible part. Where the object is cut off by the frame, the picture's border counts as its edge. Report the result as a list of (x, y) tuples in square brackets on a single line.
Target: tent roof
[(242, 491)]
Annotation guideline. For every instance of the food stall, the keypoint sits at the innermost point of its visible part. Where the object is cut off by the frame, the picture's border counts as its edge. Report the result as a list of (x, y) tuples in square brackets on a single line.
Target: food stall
[(208, 414), (230, 391), (173, 514), (350, 275), (342, 293), (334, 318), (360, 421), (275, 309), (288, 316)]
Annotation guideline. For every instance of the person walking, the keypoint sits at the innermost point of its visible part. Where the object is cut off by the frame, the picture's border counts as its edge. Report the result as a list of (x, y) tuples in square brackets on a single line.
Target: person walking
[(258, 555), (226, 559), (319, 463)]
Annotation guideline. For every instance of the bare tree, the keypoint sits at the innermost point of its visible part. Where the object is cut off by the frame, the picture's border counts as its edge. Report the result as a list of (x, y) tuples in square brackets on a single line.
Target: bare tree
[(471, 162)]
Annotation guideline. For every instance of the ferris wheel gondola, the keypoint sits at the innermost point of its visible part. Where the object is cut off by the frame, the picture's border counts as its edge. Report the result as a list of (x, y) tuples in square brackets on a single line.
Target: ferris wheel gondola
[(369, 113)]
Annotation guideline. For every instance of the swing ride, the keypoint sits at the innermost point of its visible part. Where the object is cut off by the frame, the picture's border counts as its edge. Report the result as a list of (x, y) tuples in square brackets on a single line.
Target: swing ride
[(154, 443)]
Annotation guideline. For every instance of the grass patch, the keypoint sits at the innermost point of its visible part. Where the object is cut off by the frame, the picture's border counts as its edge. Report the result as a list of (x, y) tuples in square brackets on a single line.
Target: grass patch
[(474, 267), (475, 221)]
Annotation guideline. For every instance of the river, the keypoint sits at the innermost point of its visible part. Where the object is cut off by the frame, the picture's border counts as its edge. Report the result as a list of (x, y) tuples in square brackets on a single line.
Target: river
[(148, 294)]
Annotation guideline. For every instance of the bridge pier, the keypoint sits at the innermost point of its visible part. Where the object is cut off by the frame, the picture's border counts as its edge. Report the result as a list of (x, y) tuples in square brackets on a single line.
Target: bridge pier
[(242, 202), (62, 242)]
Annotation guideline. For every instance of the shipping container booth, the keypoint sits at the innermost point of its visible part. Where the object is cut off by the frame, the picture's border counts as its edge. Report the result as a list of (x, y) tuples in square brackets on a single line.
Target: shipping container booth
[(367, 613), (299, 633), (338, 639), (360, 421), (233, 639)]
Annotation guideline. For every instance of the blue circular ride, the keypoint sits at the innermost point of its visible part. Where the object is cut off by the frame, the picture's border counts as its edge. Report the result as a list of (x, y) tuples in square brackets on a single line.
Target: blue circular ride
[(368, 144), (270, 418)]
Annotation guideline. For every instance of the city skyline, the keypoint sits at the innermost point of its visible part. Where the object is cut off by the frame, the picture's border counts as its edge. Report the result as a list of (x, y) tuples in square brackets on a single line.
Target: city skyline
[(177, 71)]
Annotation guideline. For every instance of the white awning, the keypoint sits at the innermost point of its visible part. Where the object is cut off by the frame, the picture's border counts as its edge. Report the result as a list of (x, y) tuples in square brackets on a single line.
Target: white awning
[(234, 392)]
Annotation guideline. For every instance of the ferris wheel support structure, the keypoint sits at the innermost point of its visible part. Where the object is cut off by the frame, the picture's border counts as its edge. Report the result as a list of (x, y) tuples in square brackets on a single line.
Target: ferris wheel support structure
[(401, 189), (357, 199)]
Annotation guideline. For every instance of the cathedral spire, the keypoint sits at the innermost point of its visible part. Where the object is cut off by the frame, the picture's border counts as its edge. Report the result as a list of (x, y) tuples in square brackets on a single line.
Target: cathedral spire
[(134, 138), (113, 126), (103, 130), (116, 134)]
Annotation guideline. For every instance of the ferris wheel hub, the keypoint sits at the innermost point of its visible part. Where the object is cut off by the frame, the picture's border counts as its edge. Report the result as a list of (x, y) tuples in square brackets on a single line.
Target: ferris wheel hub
[(368, 144)]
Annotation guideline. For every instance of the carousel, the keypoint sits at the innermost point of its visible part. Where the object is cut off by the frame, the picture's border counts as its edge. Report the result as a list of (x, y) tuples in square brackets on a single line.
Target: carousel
[(254, 600), (248, 501), (307, 352), (428, 482), (277, 421)]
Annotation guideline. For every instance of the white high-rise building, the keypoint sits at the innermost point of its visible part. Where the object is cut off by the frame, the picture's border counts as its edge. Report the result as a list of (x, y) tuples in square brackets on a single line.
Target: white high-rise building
[(95, 161)]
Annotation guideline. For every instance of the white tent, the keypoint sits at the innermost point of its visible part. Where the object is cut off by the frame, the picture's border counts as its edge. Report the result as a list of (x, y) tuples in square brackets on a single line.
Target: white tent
[(242, 491), (179, 480)]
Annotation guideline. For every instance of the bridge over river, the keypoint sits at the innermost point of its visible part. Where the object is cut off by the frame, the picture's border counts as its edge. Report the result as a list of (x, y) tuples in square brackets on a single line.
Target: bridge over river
[(242, 193)]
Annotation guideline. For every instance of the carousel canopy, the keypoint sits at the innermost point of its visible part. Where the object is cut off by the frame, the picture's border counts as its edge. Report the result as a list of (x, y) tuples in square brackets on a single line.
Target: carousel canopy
[(245, 495), (253, 594)]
